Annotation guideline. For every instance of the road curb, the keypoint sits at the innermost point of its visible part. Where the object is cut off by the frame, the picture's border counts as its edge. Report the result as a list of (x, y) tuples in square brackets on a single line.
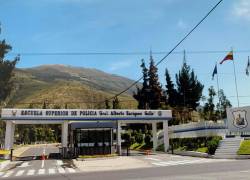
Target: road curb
[(10, 165)]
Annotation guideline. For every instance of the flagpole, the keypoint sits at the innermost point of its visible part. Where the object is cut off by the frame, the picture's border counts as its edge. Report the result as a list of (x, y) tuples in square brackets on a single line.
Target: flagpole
[(218, 89), (236, 87)]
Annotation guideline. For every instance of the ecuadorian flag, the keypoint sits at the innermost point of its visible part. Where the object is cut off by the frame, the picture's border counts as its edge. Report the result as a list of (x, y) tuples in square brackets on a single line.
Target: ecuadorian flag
[(229, 56)]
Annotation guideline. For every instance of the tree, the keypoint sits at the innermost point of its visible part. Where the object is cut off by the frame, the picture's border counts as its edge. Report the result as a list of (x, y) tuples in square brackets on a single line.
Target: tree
[(209, 106), (44, 105), (107, 105), (155, 95), (6, 71), (189, 89), (142, 95), (6, 81), (116, 103), (170, 90), (223, 105)]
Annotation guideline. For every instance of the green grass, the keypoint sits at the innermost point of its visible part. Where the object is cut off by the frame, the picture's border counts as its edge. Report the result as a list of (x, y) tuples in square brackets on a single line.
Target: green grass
[(137, 146), (244, 148), (134, 146), (202, 150)]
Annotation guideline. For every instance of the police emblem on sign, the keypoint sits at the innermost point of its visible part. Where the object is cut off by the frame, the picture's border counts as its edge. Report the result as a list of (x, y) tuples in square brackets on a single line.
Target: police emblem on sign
[(13, 113), (240, 120)]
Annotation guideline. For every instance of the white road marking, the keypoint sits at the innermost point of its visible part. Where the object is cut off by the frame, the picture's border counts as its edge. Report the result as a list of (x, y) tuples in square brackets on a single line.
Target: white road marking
[(42, 166), (61, 170), (246, 171), (19, 173), (52, 171), (173, 163), (59, 162), (8, 174), (31, 172), (41, 171), (154, 159), (71, 170), (25, 164)]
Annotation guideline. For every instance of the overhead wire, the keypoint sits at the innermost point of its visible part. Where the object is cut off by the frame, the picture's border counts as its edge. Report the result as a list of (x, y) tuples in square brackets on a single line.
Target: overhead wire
[(121, 53), (172, 50)]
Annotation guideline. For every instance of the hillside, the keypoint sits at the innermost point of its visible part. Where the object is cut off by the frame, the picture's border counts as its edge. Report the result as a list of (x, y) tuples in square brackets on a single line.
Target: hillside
[(74, 86)]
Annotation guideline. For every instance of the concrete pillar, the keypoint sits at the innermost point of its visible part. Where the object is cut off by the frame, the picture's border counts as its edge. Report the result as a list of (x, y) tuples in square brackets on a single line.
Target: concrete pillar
[(65, 134), (64, 139), (9, 135), (154, 132), (165, 135), (118, 137)]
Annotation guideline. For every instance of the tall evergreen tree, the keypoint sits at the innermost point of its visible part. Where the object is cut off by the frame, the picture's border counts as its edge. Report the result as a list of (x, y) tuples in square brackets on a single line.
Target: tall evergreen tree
[(170, 90), (44, 105), (6, 80), (142, 94), (116, 103), (155, 95), (188, 87), (6, 71), (107, 105)]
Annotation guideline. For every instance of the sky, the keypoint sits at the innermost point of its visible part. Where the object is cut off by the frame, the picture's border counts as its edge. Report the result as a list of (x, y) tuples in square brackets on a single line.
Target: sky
[(115, 26)]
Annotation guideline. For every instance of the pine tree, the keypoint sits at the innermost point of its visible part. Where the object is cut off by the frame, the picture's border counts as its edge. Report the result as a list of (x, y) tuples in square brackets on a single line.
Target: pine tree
[(170, 90), (189, 89), (6, 71), (116, 103), (44, 105), (107, 106), (142, 95), (155, 95)]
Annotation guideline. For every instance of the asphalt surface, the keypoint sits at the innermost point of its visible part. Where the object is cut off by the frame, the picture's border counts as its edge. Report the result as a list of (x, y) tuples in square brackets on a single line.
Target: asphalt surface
[(239, 169), (37, 151), (32, 167), (162, 167)]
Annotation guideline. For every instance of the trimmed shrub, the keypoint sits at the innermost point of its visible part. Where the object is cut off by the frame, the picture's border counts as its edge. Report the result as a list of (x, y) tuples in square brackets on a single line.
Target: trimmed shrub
[(147, 140), (139, 137), (213, 144)]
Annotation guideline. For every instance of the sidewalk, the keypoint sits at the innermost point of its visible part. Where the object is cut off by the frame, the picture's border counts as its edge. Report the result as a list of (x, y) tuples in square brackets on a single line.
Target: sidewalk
[(110, 164), (7, 165)]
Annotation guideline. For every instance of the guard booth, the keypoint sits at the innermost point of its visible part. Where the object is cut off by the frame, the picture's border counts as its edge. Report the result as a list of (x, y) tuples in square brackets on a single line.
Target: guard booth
[(92, 138), (87, 131)]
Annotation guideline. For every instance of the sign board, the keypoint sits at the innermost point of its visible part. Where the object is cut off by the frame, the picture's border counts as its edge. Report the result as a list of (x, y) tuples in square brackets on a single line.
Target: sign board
[(88, 114), (238, 119)]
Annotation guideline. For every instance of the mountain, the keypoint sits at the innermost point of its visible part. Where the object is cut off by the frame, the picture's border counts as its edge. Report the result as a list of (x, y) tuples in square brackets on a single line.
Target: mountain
[(75, 86)]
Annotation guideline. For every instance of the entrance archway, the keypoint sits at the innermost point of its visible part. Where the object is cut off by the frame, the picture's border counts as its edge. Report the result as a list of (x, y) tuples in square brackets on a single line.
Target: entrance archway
[(66, 116)]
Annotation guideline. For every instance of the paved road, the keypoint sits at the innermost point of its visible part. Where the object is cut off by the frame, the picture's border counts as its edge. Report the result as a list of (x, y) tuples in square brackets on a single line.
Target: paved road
[(213, 170), (31, 167), (162, 167), (38, 150)]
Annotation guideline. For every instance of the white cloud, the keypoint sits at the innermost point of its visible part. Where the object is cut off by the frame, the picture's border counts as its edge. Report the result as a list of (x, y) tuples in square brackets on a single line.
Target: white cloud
[(242, 9), (181, 24), (120, 65)]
